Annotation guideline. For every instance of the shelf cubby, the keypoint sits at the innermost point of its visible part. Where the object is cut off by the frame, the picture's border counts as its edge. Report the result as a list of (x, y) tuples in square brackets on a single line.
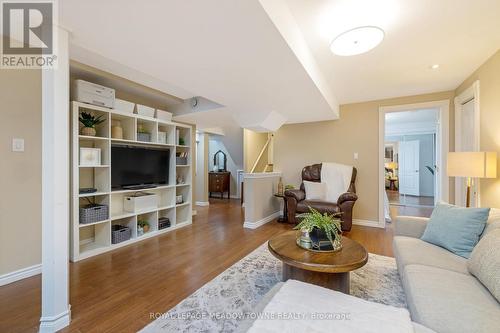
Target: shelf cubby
[(183, 134), (94, 236), (150, 127), (102, 130), (166, 197), (170, 214), (130, 222), (101, 199), (128, 125), (182, 214), (102, 144), (183, 173), (170, 130), (97, 178), (151, 218), (185, 192)]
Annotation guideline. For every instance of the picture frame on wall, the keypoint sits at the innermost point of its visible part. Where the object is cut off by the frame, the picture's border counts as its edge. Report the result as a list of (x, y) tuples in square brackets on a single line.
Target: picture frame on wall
[(90, 156)]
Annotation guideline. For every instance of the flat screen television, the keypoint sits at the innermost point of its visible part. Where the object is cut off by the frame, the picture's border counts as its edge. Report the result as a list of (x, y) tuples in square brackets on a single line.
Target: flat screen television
[(138, 166)]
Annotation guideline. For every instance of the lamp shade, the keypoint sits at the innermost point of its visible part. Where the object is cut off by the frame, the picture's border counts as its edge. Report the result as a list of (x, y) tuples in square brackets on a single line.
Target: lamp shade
[(472, 164), (391, 165)]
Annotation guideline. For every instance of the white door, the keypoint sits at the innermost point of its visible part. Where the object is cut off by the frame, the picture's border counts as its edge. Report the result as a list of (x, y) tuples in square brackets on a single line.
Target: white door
[(409, 167)]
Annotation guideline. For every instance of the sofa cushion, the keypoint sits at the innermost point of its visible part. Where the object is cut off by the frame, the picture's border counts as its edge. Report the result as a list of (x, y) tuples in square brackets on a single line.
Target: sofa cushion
[(409, 250), (484, 262), (319, 205), (457, 229), (493, 222), (447, 301)]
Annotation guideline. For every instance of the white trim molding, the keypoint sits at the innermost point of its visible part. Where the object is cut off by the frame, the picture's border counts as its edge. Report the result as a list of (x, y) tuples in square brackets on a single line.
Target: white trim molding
[(471, 93), (368, 223), (20, 274), (442, 142), (261, 222), (202, 203), (55, 323)]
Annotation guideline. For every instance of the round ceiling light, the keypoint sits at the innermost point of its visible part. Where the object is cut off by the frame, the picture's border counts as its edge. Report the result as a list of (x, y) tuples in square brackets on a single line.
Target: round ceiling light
[(357, 41)]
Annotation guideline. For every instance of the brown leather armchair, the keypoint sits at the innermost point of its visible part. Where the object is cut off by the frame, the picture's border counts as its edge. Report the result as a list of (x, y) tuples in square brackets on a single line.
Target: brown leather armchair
[(297, 203)]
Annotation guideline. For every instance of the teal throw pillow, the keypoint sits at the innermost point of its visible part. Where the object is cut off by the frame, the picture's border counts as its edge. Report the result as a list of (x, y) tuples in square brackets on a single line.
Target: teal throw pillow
[(456, 229)]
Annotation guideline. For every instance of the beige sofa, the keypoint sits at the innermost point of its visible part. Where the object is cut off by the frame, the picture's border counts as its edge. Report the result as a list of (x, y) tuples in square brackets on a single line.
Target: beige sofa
[(441, 293)]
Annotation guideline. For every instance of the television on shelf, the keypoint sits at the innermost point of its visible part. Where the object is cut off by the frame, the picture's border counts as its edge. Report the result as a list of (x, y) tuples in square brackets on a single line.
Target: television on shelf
[(135, 167)]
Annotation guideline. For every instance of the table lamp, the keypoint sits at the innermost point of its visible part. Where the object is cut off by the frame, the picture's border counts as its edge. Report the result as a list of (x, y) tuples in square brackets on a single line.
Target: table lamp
[(472, 165), (391, 166)]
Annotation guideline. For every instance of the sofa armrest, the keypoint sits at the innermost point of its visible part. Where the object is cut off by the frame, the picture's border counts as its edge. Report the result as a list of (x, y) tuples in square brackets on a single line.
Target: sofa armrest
[(299, 195), (410, 226), (348, 196)]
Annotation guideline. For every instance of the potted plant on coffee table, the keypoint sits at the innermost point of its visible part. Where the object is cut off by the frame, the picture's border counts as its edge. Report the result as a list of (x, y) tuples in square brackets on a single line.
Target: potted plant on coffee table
[(89, 122), (324, 230)]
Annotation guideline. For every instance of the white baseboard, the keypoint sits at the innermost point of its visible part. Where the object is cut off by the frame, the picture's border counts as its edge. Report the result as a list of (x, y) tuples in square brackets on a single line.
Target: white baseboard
[(55, 323), (367, 223), (20, 274), (202, 203), (234, 196), (254, 225)]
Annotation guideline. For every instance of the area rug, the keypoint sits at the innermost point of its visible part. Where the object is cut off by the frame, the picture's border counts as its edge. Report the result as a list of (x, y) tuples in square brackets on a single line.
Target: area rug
[(221, 304)]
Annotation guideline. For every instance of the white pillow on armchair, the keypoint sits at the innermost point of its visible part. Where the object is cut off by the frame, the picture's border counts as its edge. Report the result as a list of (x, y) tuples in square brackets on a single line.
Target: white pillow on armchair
[(315, 190)]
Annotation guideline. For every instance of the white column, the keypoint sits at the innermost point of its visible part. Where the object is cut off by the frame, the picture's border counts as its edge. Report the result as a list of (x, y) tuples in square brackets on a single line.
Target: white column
[(55, 191)]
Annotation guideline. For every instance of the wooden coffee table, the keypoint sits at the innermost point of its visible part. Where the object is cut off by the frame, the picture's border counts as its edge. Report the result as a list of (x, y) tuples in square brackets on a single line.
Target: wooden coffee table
[(326, 269)]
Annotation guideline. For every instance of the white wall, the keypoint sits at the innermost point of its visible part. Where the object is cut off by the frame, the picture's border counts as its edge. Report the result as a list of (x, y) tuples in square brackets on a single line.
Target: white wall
[(232, 145), (20, 172), (201, 178)]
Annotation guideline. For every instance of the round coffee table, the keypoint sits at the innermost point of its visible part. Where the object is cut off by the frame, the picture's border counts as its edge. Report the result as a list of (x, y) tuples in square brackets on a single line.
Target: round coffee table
[(326, 269)]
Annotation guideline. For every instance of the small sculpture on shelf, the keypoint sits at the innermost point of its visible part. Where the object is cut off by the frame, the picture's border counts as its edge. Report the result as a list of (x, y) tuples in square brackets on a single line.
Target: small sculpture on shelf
[(117, 130)]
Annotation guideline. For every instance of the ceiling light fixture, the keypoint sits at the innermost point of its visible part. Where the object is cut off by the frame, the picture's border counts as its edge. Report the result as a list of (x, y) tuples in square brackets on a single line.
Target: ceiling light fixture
[(356, 41), (435, 66)]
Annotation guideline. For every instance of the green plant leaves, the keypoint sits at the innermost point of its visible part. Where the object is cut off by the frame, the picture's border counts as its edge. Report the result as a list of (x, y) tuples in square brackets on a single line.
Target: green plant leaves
[(329, 223), (89, 120)]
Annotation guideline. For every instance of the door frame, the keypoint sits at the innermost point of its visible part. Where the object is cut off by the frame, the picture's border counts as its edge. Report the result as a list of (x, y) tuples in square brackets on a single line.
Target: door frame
[(470, 93), (442, 144)]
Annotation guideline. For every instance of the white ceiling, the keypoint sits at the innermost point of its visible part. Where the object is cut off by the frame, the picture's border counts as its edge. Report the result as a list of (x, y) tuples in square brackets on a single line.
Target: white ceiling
[(229, 52), (271, 57), (457, 34), (411, 122), (414, 116)]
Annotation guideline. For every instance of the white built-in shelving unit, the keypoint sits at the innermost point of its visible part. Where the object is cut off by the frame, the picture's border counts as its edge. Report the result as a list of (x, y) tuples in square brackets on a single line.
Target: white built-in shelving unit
[(91, 239)]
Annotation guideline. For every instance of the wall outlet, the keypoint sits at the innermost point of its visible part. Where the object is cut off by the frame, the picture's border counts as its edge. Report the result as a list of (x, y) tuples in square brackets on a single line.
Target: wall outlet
[(356, 156), (17, 145)]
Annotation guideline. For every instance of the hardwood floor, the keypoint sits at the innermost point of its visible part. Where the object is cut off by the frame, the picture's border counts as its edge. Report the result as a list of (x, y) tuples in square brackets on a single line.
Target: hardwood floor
[(117, 291), (396, 198)]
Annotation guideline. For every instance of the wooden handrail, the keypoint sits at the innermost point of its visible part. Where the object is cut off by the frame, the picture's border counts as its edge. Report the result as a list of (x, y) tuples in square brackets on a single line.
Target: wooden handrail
[(261, 154)]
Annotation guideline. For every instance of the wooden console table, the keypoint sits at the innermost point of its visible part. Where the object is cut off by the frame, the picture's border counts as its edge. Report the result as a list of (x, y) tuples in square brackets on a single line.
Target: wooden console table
[(219, 182)]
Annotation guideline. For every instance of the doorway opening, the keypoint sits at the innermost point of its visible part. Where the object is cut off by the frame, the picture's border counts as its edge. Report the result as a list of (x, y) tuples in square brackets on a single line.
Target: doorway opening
[(413, 149)]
